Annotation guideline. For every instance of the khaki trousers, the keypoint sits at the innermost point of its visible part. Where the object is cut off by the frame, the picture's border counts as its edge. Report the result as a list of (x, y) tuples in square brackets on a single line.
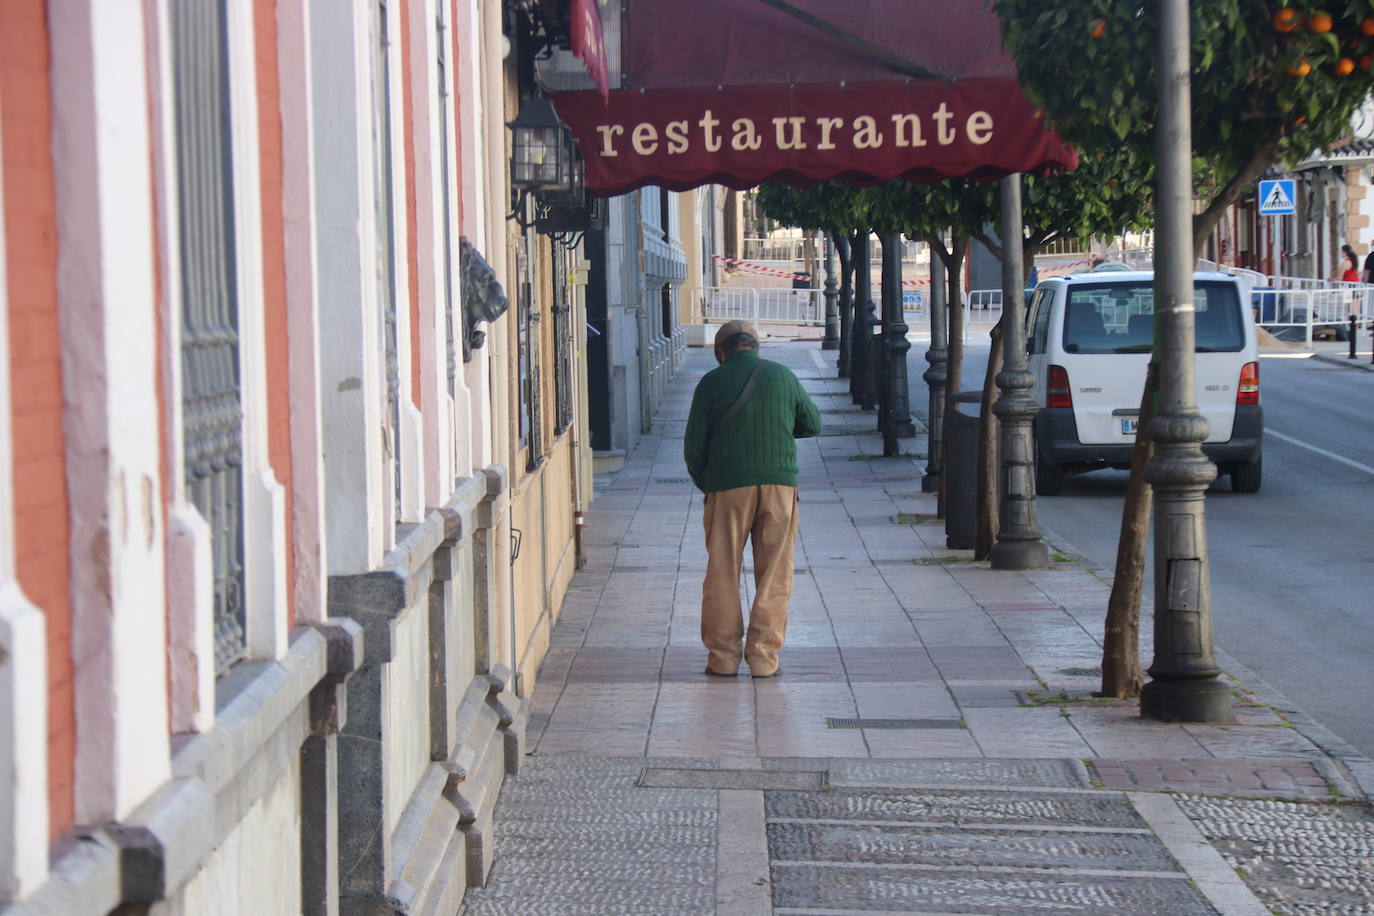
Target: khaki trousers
[(766, 516)]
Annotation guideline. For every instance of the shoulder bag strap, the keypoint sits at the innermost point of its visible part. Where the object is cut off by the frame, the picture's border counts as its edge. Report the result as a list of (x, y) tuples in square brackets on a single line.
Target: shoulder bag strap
[(736, 407)]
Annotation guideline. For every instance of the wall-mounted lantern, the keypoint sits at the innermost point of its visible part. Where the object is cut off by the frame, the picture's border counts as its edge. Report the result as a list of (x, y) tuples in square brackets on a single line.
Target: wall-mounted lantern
[(539, 147)]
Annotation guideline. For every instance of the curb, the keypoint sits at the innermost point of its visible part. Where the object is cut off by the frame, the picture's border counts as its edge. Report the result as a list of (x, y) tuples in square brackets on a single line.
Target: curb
[(1347, 362)]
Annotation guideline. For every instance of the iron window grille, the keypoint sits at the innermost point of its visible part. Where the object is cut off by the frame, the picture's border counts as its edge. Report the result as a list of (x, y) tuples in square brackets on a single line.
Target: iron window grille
[(212, 414), (562, 342)]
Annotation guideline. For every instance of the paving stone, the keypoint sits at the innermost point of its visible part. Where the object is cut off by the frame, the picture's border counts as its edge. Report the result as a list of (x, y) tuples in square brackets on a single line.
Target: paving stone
[(1298, 857), (896, 845), (678, 778), (913, 890), (860, 773), (1250, 778), (960, 807)]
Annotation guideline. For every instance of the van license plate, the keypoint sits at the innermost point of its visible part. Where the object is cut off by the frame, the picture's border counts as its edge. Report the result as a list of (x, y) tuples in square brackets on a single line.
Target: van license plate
[(1128, 426)]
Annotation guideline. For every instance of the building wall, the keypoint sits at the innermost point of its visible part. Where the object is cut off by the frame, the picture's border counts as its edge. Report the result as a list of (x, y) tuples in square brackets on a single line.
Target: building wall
[(343, 753), (35, 369)]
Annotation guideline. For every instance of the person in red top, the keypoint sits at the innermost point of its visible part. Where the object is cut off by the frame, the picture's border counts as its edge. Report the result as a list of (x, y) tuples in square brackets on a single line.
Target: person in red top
[(1351, 274)]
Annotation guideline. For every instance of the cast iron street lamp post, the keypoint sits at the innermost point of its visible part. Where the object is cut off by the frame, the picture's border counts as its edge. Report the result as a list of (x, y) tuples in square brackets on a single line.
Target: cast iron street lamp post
[(1184, 685), (894, 339), (935, 375), (832, 315), (1018, 538), (873, 353), (861, 368), (846, 300)]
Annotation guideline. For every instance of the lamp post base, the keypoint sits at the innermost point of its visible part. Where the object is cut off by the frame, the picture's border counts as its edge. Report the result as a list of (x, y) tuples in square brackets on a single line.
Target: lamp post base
[(1188, 700), (930, 483), (830, 344), (1020, 555)]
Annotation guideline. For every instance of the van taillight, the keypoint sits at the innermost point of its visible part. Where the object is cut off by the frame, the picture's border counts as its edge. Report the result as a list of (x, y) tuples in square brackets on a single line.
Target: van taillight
[(1057, 393), (1247, 392)]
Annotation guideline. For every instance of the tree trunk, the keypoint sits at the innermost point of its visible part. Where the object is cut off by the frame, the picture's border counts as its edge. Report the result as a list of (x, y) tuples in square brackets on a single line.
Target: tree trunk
[(1242, 180), (1121, 675), (988, 495)]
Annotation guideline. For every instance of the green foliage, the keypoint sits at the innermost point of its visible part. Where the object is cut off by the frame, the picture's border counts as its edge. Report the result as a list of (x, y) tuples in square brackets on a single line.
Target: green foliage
[(1108, 194), (1101, 93), (922, 211), (832, 206)]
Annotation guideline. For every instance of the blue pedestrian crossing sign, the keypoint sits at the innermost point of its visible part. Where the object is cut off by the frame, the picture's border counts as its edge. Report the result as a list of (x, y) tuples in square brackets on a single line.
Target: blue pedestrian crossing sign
[(1276, 197)]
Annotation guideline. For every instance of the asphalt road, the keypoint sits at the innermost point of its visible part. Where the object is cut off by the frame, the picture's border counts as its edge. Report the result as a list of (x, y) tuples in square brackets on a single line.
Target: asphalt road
[(1292, 566)]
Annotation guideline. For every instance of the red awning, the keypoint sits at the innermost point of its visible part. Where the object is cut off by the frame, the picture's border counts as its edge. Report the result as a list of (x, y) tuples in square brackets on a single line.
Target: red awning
[(588, 43), (738, 92)]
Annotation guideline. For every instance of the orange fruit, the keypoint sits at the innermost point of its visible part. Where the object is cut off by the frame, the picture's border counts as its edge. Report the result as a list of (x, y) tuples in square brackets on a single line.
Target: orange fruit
[(1368, 26), (1344, 67), (1366, 61), (1286, 19), (1319, 23), (1099, 29), (1301, 68)]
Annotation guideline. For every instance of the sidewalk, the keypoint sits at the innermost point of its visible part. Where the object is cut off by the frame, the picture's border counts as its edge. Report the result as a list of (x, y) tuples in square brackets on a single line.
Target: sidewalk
[(930, 747)]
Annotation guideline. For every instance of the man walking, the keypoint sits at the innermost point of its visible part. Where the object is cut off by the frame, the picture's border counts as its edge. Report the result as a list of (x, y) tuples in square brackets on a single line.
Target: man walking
[(739, 451)]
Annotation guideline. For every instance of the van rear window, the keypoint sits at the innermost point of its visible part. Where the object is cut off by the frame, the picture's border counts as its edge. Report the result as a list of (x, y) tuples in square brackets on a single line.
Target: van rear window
[(1119, 318)]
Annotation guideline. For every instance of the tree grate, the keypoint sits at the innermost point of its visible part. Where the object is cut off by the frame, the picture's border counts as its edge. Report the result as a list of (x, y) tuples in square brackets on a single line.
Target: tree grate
[(672, 480), (833, 722)]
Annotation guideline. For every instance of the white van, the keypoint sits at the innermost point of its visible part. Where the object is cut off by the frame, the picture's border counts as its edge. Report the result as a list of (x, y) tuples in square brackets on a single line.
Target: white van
[(1089, 337)]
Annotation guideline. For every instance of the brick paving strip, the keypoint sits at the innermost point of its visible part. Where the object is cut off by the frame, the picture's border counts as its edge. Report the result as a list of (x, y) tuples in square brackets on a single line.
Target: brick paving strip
[(931, 746)]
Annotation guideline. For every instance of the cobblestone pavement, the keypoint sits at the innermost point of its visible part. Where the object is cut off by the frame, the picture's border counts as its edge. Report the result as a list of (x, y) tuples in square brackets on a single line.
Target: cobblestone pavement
[(931, 746)]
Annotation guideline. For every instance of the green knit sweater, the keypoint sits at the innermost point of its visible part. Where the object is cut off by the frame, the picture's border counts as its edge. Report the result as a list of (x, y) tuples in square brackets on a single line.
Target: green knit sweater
[(756, 446)]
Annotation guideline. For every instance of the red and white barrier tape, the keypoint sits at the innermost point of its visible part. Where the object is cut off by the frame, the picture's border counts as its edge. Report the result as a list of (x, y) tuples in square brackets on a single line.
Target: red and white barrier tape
[(751, 267)]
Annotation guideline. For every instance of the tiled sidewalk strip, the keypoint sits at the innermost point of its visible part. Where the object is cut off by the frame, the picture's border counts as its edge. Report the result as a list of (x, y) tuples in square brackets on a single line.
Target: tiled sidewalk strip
[(1252, 778)]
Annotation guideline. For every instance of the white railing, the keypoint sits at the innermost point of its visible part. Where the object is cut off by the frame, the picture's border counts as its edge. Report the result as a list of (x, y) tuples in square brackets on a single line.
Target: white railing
[(1326, 308), (982, 311), (763, 306), (981, 300), (1309, 303), (775, 249)]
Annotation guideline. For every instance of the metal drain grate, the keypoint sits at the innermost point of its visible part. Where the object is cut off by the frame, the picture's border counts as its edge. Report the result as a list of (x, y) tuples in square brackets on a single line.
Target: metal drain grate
[(833, 722), (672, 480)]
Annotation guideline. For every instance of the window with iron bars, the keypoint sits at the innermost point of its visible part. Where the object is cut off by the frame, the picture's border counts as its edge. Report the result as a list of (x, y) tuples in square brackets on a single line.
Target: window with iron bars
[(212, 414), (531, 375), (562, 341)]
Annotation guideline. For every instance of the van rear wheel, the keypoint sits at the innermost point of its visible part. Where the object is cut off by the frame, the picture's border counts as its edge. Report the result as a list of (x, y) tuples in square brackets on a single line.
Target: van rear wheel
[(1049, 478), (1246, 476)]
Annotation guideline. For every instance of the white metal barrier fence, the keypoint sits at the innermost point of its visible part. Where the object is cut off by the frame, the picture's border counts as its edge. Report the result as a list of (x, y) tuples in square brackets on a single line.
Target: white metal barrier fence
[(777, 249), (1310, 305), (763, 306), (983, 307)]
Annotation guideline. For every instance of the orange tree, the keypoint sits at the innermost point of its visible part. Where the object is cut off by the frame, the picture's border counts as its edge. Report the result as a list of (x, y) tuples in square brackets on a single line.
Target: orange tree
[(1271, 81)]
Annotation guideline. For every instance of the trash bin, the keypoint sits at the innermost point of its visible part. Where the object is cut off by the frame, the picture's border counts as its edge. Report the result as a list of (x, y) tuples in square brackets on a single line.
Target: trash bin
[(961, 472)]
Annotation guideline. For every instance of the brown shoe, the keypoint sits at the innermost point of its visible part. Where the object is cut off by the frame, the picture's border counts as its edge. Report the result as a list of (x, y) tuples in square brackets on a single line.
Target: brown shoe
[(711, 671), (774, 673)]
